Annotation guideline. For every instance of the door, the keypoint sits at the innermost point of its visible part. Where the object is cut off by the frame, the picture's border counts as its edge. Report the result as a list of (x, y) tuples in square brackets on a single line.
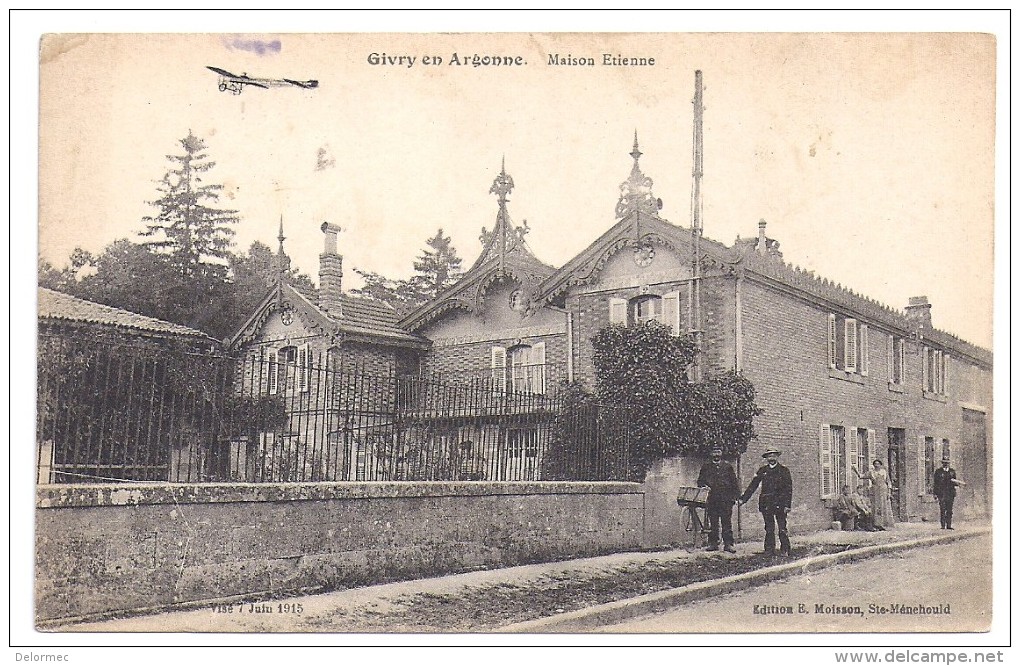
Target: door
[(972, 464), (897, 478)]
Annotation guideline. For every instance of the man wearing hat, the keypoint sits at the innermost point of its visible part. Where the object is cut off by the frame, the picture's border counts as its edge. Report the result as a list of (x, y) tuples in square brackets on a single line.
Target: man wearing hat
[(944, 488), (775, 499), (718, 476)]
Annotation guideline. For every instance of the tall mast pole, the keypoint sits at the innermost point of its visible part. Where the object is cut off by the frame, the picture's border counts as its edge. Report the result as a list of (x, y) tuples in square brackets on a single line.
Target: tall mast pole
[(697, 211)]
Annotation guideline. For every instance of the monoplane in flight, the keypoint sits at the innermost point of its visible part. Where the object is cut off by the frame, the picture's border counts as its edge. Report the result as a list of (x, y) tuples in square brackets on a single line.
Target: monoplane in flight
[(235, 83)]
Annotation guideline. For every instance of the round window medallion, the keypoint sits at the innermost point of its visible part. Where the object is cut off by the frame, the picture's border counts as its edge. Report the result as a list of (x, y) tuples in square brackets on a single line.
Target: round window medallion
[(287, 316), (644, 255)]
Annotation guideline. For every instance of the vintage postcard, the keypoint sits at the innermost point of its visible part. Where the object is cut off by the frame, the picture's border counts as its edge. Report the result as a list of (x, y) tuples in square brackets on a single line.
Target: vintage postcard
[(383, 333)]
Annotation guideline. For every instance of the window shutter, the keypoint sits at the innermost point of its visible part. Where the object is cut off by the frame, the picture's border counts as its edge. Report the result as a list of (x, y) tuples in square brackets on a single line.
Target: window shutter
[(951, 450), (825, 459), (304, 366), (850, 345), (902, 346), (538, 367), (864, 350), (498, 365), (274, 371), (671, 311), (946, 373), (618, 311), (832, 341), (890, 355), (921, 480), (872, 446), (851, 458)]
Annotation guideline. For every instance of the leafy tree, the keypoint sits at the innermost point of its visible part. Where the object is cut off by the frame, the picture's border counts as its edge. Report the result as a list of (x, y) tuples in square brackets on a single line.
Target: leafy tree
[(436, 268), (194, 235), (645, 369)]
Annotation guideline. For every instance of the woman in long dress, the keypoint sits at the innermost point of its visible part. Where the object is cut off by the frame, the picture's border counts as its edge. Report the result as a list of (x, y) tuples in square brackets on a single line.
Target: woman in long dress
[(881, 495)]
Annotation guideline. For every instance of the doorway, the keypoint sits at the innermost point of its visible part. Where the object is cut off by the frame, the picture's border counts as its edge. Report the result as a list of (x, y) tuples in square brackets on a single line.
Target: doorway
[(897, 471)]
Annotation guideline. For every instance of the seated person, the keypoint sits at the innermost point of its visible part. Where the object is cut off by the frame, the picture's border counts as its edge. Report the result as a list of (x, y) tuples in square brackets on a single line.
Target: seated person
[(846, 511), (865, 519)]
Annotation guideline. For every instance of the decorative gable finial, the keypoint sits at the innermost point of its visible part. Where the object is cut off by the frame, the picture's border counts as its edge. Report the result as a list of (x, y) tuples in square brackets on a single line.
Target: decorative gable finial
[(503, 184), (636, 192)]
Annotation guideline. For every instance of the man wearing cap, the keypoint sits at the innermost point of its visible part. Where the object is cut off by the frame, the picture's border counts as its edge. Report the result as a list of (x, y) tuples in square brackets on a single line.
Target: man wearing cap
[(944, 488), (718, 476), (775, 499)]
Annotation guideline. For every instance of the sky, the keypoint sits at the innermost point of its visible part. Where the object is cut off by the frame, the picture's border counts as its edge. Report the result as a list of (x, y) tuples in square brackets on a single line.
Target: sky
[(869, 156)]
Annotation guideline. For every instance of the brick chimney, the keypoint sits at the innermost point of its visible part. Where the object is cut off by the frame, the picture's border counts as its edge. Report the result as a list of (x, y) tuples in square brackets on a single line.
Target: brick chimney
[(762, 241), (919, 312), (331, 273)]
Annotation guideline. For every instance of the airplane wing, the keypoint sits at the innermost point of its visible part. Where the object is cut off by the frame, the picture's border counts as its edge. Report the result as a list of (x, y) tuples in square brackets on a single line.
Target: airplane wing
[(303, 84), (222, 72)]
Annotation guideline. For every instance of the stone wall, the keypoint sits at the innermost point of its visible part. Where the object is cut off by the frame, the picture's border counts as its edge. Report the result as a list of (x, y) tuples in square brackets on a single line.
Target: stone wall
[(104, 549)]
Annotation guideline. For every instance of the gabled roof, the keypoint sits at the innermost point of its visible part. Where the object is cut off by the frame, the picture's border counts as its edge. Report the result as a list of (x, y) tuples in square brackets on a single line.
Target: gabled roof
[(636, 228), (468, 293), (362, 319), (55, 306)]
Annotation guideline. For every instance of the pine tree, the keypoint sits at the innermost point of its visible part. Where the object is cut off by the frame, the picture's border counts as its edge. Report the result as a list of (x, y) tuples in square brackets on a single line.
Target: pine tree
[(438, 267), (195, 236)]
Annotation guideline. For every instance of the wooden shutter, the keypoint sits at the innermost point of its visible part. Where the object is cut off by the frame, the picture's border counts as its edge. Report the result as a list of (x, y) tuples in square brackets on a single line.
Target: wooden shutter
[(925, 371), (273, 364), (853, 450), (832, 341), (901, 347), (498, 365), (890, 355), (863, 355), (671, 311), (946, 373), (618, 311), (825, 460), (872, 446), (850, 345), (538, 367), (304, 367)]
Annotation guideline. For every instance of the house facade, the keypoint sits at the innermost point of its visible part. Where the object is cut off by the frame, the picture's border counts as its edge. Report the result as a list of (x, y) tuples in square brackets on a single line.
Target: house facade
[(842, 380)]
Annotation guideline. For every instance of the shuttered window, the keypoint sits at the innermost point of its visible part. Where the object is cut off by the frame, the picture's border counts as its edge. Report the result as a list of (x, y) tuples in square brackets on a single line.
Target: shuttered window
[(273, 371), (850, 345), (498, 367), (862, 356), (832, 341), (826, 480)]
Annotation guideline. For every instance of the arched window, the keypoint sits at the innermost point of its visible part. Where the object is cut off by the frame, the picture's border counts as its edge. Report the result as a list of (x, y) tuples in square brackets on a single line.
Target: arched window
[(640, 310), (645, 309), (520, 368)]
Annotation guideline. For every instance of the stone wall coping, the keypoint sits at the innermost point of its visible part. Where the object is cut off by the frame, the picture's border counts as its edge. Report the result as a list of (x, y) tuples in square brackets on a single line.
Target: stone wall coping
[(52, 496)]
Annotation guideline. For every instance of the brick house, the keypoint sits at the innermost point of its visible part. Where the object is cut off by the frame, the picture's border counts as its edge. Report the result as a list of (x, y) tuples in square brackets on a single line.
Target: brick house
[(842, 379), (317, 353)]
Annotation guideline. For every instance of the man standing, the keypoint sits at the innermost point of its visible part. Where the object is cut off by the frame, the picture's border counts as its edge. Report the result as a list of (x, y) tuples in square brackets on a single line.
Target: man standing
[(944, 487), (718, 476), (775, 499)]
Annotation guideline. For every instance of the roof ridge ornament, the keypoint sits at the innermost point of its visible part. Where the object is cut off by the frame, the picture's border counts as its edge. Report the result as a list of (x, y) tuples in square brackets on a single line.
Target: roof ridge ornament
[(636, 192)]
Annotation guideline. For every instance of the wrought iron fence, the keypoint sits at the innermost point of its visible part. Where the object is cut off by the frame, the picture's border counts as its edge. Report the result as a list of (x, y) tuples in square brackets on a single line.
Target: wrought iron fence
[(111, 412)]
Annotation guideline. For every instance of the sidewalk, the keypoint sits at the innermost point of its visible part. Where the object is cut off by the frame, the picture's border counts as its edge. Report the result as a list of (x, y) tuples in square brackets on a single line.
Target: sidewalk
[(554, 596)]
